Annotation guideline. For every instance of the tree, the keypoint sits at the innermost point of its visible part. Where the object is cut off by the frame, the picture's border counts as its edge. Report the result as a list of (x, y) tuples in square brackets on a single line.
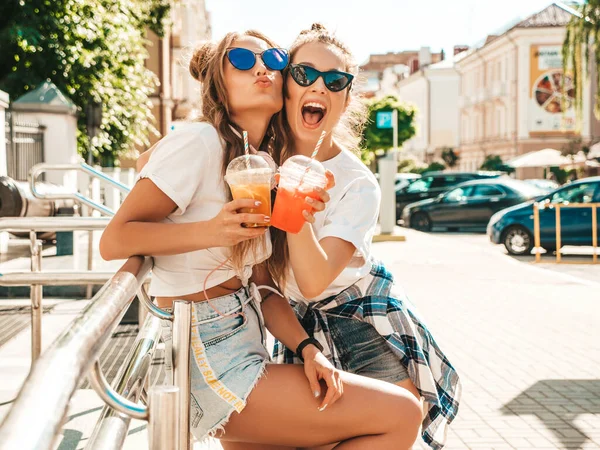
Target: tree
[(450, 157), (379, 140), (580, 47), (91, 50), (494, 163)]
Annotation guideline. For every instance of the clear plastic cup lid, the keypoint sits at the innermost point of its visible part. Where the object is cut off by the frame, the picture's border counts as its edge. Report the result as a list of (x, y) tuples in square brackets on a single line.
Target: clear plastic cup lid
[(304, 164), (249, 169), (303, 170)]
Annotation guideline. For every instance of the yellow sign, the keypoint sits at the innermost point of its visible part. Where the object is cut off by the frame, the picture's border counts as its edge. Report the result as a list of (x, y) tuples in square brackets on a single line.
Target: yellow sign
[(551, 108)]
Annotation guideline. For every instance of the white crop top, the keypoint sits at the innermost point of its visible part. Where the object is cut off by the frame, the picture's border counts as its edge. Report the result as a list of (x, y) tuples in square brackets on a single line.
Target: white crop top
[(187, 165), (351, 215)]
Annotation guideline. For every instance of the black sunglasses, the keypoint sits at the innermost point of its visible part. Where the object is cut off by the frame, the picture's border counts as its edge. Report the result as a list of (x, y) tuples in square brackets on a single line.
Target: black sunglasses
[(334, 80), (244, 59)]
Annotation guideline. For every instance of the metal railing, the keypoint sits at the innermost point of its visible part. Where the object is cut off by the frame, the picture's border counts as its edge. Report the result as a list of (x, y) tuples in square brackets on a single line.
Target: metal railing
[(37, 278), (558, 207), (35, 420), (37, 170)]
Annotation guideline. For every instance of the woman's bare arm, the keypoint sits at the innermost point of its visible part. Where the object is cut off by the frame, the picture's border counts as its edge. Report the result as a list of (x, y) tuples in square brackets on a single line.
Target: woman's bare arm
[(136, 229)]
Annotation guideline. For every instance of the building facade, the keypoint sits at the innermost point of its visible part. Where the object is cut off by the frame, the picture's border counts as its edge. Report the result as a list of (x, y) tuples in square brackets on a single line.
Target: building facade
[(514, 96), (381, 73), (434, 91), (177, 93)]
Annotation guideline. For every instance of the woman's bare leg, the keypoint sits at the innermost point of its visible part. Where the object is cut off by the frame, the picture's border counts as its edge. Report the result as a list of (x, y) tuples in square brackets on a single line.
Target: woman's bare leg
[(405, 384), (282, 411)]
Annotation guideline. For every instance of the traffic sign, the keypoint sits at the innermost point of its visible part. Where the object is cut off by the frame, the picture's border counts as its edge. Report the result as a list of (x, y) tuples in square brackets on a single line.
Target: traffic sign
[(385, 119)]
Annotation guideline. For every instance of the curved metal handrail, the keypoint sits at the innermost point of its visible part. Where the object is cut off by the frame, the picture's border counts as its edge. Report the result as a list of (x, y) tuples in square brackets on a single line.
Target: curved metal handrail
[(38, 169), (112, 398), (32, 424), (151, 307), (111, 429)]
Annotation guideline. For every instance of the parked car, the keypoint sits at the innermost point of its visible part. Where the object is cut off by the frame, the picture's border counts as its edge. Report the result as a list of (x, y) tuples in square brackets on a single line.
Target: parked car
[(547, 185), (433, 184), (404, 179), (513, 227), (470, 204)]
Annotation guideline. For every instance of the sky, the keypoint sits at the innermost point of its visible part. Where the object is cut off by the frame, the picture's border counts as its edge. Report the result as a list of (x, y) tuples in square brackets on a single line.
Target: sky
[(375, 26)]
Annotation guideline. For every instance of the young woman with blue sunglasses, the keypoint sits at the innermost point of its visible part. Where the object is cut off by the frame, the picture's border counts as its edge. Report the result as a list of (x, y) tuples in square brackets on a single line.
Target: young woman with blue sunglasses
[(180, 212)]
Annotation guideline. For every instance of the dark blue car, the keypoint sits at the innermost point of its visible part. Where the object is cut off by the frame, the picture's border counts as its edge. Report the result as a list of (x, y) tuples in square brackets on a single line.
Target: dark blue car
[(513, 226)]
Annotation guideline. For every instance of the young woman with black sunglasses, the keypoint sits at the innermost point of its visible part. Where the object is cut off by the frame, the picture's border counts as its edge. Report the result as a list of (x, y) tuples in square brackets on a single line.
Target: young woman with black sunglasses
[(342, 296), (180, 212)]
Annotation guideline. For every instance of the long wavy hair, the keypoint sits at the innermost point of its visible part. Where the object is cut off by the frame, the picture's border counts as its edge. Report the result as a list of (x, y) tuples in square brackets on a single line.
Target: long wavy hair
[(207, 65), (347, 133)]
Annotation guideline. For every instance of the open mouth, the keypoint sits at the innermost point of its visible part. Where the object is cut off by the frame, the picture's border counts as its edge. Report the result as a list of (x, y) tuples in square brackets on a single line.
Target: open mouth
[(313, 114)]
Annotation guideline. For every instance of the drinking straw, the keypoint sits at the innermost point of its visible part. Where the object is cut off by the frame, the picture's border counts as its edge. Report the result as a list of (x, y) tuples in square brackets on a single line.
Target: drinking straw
[(313, 156), (246, 150), (316, 150)]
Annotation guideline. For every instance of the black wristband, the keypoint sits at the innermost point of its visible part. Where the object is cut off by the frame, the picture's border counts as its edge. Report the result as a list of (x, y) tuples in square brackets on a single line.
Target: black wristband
[(306, 342)]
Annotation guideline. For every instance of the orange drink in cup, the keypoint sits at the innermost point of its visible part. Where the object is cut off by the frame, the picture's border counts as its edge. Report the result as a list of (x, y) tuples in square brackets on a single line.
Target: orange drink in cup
[(249, 177), (299, 175)]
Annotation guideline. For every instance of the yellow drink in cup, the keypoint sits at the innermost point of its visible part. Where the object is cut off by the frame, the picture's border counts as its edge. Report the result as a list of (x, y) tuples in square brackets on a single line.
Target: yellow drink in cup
[(249, 177), (259, 192)]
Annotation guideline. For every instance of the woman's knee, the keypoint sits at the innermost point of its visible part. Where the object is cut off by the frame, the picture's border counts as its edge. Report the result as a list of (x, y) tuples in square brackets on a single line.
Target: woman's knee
[(403, 413)]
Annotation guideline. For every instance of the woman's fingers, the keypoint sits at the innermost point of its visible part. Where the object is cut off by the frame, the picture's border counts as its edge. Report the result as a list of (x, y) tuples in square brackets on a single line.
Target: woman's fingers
[(330, 179), (333, 393), (308, 216), (251, 218), (315, 204), (238, 204)]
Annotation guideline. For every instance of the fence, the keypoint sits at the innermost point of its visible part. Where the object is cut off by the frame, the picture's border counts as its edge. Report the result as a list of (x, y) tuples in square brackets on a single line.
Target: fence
[(558, 207), (24, 145)]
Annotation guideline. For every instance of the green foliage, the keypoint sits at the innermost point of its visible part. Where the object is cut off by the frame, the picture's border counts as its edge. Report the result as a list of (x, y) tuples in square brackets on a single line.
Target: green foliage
[(494, 163), (433, 167), (91, 50), (450, 157), (382, 139), (410, 166), (563, 175), (580, 47)]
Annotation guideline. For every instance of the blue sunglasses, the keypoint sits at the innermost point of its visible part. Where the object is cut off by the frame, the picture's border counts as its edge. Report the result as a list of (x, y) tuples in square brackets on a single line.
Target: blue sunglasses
[(244, 59)]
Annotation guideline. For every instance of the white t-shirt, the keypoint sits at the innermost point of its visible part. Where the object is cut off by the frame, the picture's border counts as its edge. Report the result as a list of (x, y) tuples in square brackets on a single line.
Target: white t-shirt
[(187, 166), (351, 215)]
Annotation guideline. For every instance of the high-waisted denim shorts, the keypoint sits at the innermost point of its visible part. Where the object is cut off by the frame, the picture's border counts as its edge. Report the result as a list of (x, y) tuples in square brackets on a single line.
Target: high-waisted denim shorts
[(363, 351), (227, 358)]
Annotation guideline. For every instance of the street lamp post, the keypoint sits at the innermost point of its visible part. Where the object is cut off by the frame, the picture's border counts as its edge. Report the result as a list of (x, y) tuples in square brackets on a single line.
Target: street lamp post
[(93, 114)]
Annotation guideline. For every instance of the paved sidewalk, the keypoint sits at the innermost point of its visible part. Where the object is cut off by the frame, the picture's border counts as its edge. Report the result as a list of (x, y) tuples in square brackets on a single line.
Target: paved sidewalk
[(524, 339)]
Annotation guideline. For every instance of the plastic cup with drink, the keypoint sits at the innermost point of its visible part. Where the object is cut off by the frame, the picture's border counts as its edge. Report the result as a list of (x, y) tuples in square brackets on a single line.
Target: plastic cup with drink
[(249, 177), (299, 175)]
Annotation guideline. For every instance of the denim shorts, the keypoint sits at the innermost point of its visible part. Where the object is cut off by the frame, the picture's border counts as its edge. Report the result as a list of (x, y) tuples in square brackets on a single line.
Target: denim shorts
[(227, 358), (363, 351)]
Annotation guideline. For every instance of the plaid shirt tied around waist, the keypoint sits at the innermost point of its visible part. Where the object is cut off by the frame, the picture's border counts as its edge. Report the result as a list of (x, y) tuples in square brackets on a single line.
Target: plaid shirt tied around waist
[(376, 300)]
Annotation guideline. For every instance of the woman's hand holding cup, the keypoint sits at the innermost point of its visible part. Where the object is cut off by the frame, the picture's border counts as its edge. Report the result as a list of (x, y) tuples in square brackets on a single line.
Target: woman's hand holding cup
[(227, 226)]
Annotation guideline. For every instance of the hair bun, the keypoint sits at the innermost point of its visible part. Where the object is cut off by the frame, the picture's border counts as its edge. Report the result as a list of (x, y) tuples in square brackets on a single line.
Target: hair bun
[(200, 59), (316, 27)]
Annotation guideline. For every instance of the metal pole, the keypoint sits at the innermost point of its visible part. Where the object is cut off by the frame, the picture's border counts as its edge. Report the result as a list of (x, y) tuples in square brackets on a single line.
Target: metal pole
[(558, 233), (36, 299), (395, 132), (164, 420), (536, 232), (595, 233), (182, 327)]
